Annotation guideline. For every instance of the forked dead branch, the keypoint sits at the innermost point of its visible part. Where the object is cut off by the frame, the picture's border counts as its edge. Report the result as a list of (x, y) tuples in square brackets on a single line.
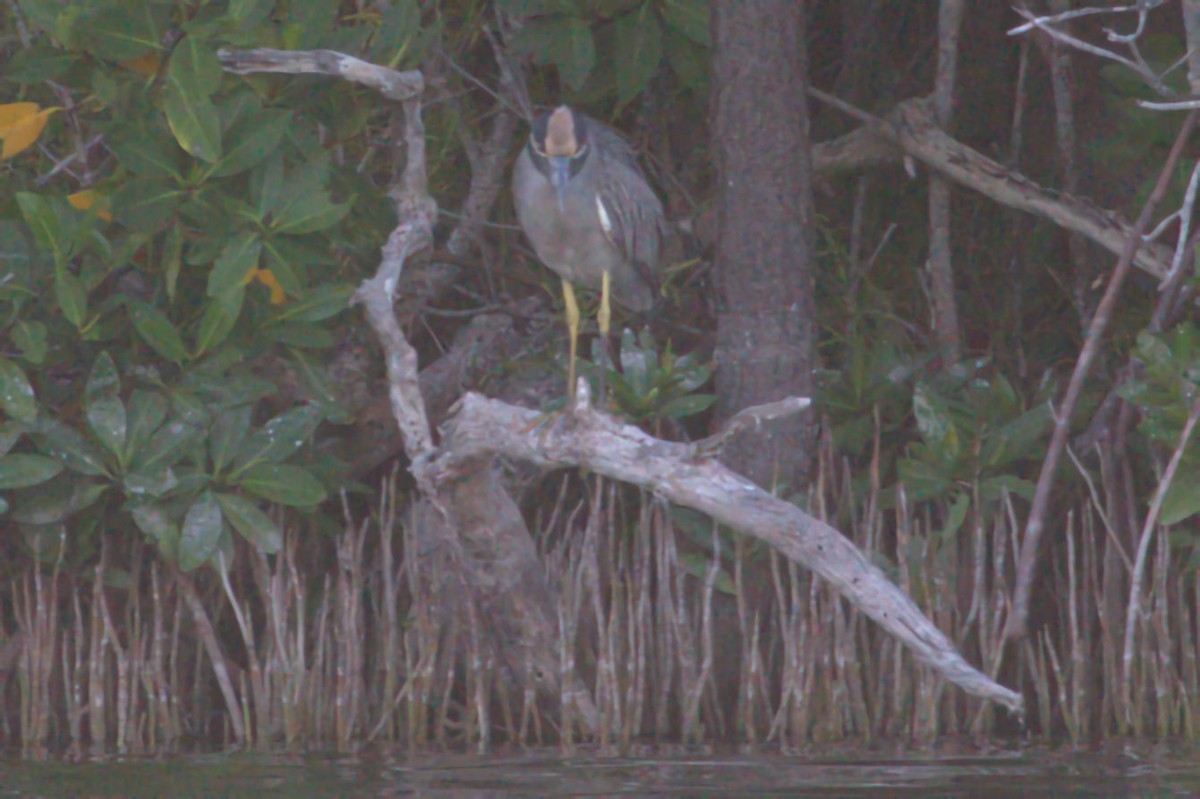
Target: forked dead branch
[(458, 475)]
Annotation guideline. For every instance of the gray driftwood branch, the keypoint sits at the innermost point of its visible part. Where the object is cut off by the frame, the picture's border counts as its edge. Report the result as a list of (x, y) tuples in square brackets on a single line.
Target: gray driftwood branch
[(483, 428), (911, 130)]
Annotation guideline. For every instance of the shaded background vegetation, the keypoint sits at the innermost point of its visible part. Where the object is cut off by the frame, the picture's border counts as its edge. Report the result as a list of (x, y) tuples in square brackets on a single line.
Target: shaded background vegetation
[(181, 383)]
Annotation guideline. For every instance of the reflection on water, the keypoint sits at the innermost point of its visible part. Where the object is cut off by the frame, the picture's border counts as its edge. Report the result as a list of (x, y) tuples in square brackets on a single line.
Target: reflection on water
[(1028, 773)]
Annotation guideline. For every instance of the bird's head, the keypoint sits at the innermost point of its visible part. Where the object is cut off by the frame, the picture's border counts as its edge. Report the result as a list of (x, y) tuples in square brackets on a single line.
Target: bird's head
[(559, 140)]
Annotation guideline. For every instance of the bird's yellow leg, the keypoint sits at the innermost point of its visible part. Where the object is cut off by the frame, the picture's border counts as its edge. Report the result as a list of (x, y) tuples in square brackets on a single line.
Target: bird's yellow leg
[(604, 315), (573, 330), (604, 319)]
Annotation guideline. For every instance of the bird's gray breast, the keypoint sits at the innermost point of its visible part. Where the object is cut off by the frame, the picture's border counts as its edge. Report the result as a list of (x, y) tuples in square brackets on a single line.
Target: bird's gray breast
[(570, 239)]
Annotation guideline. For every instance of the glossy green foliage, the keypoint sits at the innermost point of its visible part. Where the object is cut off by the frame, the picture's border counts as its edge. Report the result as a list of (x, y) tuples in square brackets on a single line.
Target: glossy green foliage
[(175, 229), (1165, 393), (973, 433), (635, 37), (655, 385)]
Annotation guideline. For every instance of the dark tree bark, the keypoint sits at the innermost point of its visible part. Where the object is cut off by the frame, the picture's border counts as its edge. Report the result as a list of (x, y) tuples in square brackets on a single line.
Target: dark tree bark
[(765, 328)]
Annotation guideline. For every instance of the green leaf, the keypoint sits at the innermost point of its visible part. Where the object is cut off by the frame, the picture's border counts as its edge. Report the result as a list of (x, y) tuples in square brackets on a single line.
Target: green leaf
[(102, 401), (147, 411), (47, 505), (281, 436), (304, 336), (220, 315), (192, 76), (165, 448), (1181, 502), (16, 394), (10, 433), (149, 155), (254, 137), (122, 31), (31, 338), (690, 405), (639, 51), (635, 364), (153, 520), (956, 516), (249, 520), (201, 532), (228, 434), (146, 204), (935, 423), (194, 64), (316, 305), (922, 480), (68, 446), (698, 565), (309, 214), (22, 471), (400, 24), (156, 330), (71, 296), (233, 265), (993, 489), (689, 17), (283, 483), (47, 226), (156, 484), (1018, 439), (194, 122), (38, 64)]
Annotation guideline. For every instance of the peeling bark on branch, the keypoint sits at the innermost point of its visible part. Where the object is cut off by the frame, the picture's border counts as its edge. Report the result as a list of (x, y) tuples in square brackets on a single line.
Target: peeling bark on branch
[(911, 130), (483, 428)]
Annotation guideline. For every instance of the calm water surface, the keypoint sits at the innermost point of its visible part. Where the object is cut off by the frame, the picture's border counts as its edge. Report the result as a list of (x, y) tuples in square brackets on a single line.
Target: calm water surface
[(1114, 772)]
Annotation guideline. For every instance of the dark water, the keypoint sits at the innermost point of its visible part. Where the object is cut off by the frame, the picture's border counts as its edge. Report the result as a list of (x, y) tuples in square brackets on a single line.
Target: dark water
[(1038, 773)]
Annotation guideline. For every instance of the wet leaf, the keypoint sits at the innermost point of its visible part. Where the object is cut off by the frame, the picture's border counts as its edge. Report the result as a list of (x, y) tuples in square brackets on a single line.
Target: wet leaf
[(281, 436), (252, 139), (102, 401), (16, 393), (23, 471), (283, 483), (68, 446), (156, 330), (249, 520), (200, 533)]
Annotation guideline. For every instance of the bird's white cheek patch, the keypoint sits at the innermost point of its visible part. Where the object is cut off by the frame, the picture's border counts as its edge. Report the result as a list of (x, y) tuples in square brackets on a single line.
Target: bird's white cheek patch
[(605, 222)]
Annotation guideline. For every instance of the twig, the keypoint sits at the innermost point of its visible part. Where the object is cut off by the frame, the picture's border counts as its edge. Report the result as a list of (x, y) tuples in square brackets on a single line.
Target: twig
[(1027, 565), (1133, 611)]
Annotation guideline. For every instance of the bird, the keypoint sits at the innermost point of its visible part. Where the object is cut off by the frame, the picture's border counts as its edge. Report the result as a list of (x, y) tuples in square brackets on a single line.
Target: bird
[(591, 216)]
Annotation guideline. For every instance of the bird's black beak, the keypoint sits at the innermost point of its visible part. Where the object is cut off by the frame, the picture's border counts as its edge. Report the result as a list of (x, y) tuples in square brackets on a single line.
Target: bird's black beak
[(560, 173)]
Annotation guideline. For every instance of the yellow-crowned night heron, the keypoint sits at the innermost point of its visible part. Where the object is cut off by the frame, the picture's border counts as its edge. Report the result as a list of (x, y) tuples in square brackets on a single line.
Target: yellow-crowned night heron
[(590, 215)]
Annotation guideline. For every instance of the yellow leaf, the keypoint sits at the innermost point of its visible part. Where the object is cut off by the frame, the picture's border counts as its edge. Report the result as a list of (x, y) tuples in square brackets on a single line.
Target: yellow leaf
[(20, 126), (146, 64), (14, 112), (83, 200), (267, 278)]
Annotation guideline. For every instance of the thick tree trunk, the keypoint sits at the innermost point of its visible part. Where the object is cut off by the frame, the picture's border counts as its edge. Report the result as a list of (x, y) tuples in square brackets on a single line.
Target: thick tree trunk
[(765, 327)]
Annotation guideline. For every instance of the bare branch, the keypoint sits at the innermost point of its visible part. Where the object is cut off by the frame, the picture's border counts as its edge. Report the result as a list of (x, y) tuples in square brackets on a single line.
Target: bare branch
[(911, 130), (484, 428)]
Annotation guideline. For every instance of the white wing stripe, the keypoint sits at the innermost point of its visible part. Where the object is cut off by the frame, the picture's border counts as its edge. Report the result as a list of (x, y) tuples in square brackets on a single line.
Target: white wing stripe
[(605, 222)]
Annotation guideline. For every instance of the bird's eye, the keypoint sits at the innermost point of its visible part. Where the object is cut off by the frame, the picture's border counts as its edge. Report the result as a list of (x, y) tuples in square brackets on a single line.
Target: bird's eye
[(536, 146), (581, 152)]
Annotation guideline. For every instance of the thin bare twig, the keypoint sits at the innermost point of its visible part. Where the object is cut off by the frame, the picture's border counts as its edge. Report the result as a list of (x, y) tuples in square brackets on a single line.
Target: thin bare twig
[(1034, 527)]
